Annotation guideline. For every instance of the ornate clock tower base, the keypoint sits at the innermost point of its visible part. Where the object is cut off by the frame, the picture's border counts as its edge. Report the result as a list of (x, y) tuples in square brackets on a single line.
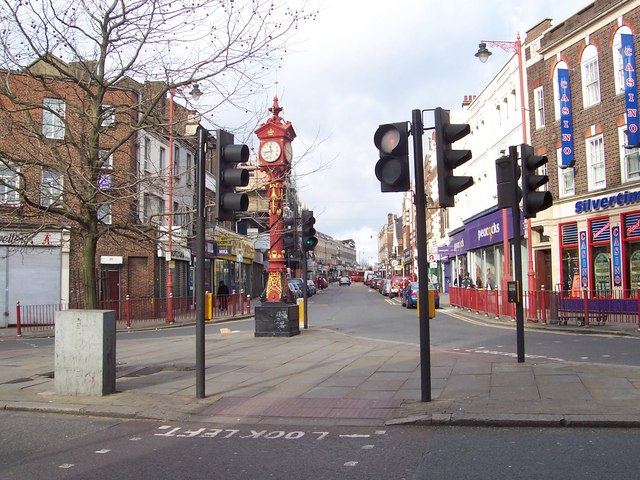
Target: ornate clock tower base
[(277, 320)]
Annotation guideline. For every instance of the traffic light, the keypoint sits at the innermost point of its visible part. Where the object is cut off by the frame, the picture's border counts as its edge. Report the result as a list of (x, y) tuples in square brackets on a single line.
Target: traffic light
[(289, 233), (448, 159), (532, 200), (392, 139), (309, 240), (507, 176), (228, 177)]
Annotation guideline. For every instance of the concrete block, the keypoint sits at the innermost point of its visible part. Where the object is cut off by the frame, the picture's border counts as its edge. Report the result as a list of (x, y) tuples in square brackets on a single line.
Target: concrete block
[(85, 352)]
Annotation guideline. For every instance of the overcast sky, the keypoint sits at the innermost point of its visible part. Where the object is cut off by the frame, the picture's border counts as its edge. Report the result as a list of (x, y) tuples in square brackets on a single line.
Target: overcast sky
[(362, 63)]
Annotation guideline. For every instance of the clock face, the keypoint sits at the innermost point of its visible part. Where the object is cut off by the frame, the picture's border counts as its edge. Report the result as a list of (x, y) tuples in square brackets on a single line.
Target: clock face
[(270, 151), (288, 151)]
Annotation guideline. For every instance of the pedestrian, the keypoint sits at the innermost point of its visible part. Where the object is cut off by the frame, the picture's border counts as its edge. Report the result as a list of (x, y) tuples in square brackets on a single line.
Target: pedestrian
[(223, 296), (466, 281)]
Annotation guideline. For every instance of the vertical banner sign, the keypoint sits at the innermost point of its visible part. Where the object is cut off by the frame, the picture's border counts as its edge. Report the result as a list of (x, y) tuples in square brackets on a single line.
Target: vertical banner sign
[(617, 256), (584, 268), (566, 121), (630, 89)]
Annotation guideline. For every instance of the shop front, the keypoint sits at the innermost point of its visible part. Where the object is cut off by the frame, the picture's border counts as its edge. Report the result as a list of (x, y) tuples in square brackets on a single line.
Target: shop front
[(478, 249), (599, 247)]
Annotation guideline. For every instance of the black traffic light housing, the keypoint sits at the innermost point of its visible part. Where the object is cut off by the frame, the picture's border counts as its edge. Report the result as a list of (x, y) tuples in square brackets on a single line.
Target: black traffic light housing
[(392, 140), (532, 200), (228, 177), (448, 159), (309, 240), (507, 176), (289, 233)]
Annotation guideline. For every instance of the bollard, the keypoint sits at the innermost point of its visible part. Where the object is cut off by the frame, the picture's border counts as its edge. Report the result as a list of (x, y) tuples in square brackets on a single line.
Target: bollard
[(208, 305), (18, 322), (300, 302), (248, 304), (543, 304), (127, 310)]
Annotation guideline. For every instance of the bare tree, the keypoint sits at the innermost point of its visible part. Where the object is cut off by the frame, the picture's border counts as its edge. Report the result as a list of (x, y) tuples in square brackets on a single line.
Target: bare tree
[(113, 63)]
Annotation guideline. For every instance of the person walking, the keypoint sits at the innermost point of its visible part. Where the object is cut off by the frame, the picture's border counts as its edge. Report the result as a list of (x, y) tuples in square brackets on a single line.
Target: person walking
[(223, 296)]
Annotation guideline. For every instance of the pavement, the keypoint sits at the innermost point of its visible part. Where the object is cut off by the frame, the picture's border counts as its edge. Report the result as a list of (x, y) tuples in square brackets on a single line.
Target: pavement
[(323, 377)]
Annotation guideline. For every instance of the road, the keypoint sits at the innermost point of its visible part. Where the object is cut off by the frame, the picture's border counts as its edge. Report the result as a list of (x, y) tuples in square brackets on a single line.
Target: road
[(358, 310), (35, 446)]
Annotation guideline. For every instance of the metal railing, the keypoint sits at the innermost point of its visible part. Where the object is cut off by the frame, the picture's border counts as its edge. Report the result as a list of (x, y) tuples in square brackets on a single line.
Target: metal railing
[(132, 312), (621, 307)]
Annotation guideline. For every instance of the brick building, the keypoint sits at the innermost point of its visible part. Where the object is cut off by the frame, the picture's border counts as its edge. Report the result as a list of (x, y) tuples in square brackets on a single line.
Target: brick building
[(580, 119)]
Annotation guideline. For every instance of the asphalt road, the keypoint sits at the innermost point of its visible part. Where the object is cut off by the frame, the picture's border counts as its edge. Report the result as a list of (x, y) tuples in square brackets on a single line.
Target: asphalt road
[(38, 446), (358, 310)]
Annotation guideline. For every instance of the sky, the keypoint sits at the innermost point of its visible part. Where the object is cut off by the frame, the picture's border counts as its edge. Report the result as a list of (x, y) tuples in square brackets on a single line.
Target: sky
[(363, 63)]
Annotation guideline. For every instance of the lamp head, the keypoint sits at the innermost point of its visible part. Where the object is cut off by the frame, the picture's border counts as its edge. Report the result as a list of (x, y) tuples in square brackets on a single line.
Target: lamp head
[(195, 92), (483, 53)]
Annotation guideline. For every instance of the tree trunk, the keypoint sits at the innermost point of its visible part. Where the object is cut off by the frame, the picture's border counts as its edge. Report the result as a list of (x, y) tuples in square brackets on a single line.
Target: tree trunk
[(89, 243)]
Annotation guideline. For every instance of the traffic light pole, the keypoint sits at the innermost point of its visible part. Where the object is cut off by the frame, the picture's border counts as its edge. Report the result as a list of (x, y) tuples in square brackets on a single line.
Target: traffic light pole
[(421, 241), (200, 249), (517, 256)]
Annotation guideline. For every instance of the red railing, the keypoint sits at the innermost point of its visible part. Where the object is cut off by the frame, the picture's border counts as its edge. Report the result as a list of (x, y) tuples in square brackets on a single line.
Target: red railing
[(545, 306), (136, 311)]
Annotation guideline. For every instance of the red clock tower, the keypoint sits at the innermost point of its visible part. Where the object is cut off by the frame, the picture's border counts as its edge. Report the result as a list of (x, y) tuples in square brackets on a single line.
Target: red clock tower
[(275, 154)]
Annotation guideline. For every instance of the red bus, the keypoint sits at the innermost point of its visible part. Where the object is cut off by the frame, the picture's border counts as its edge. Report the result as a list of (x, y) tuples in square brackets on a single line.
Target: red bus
[(356, 275)]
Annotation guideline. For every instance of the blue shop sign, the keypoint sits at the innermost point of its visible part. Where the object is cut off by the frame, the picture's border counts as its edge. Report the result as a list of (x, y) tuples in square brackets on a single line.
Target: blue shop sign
[(618, 200), (482, 232)]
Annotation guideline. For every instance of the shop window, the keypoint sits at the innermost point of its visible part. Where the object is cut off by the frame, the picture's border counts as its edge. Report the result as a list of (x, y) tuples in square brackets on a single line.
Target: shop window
[(570, 271), (600, 243)]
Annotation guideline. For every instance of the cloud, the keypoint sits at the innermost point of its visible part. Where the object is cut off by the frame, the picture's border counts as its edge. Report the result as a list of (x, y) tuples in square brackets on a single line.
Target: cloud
[(364, 63)]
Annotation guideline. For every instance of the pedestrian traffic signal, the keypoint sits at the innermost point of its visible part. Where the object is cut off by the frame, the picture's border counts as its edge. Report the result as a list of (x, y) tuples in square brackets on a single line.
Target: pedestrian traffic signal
[(532, 200), (392, 140), (309, 240), (228, 177), (448, 159), (289, 233), (507, 176)]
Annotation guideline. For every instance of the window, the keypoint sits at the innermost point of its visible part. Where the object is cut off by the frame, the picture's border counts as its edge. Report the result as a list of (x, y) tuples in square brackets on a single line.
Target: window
[(566, 178), (630, 158), (189, 166), (51, 187), (147, 154), (163, 159), (618, 67), (590, 77), (556, 90), (177, 215), (53, 114), (176, 161), (595, 163), (538, 94), (107, 115), (498, 115), (104, 213), (107, 160), (9, 184)]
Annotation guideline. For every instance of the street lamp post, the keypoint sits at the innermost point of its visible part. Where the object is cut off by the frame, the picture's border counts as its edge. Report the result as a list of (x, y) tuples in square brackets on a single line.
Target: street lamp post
[(195, 94), (483, 55)]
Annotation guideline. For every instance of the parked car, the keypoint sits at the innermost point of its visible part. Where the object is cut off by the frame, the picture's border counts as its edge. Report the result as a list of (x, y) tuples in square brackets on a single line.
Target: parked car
[(344, 281), (398, 284), (295, 289), (375, 283), (385, 288), (410, 295), (312, 287), (300, 283)]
